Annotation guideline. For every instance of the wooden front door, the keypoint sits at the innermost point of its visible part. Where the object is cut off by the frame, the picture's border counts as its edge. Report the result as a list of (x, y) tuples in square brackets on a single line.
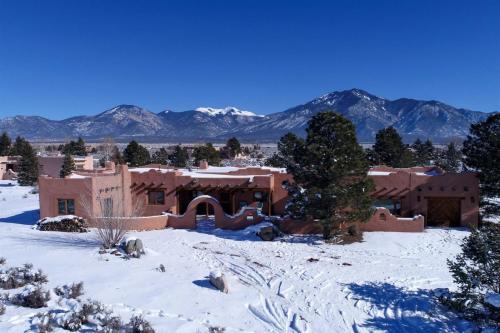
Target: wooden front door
[(443, 212)]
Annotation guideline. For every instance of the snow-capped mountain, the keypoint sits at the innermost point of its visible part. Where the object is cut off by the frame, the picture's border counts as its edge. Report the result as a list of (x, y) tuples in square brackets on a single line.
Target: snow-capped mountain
[(370, 113), (412, 118)]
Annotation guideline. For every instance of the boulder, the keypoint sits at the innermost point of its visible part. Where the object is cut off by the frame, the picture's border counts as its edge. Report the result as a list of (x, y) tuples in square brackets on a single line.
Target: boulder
[(267, 233), (219, 281), (133, 247)]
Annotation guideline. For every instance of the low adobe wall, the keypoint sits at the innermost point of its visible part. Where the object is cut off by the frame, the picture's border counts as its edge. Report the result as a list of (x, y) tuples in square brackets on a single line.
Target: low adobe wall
[(141, 223), (383, 220)]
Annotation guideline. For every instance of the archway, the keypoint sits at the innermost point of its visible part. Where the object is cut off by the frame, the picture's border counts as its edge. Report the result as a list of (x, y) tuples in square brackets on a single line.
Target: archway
[(205, 217)]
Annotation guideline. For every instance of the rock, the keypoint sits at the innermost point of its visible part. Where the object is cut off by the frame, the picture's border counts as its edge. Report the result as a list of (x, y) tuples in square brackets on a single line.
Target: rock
[(133, 247), (219, 281), (161, 268), (267, 233)]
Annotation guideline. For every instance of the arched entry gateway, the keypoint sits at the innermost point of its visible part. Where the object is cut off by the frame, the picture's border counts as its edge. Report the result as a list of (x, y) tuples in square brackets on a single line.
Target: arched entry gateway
[(205, 216), (245, 217)]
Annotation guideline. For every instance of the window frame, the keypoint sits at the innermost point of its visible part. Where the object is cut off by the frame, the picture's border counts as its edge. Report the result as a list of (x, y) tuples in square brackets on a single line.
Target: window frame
[(66, 210), (156, 202)]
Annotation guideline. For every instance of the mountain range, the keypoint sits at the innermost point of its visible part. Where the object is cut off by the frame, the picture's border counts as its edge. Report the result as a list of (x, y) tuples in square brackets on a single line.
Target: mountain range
[(412, 118)]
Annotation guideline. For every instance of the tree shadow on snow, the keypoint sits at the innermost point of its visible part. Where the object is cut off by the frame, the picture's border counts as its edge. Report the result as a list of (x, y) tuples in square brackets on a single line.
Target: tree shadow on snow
[(58, 239), (396, 309), (28, 217)]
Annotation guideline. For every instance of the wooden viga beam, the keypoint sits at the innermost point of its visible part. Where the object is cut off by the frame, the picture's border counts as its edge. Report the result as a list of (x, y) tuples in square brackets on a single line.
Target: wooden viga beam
[(376, 193), (399, 193), (144, 189), (386, 194), (139, 186)]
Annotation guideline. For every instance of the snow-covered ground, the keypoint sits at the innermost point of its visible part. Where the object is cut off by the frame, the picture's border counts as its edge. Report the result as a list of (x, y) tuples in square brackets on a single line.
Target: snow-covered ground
[(296, 284)]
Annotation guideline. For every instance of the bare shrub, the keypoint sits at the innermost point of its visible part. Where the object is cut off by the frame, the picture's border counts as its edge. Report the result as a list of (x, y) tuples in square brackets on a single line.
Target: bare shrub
[(32, 297), (43, 322), (2, 308), (74, 290), (111, 218), (216, 329), (138, 324), (16, 277), (111, 324), (72, 322), (3, 261), (91, 309)]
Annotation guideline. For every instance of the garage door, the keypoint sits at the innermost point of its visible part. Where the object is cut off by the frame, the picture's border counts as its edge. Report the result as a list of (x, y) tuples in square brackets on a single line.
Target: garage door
[(443, 212)]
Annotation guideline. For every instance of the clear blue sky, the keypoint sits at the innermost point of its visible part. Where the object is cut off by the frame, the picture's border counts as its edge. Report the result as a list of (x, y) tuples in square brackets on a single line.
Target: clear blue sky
[(65, 58)]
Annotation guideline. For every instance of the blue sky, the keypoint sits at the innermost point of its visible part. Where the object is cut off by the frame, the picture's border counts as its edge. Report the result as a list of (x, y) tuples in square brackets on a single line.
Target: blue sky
[(66, 58)]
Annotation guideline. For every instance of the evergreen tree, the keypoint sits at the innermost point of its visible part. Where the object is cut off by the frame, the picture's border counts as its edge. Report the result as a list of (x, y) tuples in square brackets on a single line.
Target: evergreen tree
[(28, 166), (290, 147), (135, 154), (476, 271), (68, 166), (275, 161), (206, 152), (330, 170), (179, 158), (75, 148), (424, 152), (482, 154), (21, 147), (389, 148), (449, 159), (160, 157), (233, 147), (5, 143)]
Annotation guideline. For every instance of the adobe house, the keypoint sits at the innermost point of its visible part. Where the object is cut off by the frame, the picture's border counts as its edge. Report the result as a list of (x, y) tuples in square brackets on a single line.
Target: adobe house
[(444, 199), (238, 197), (51, 165), (9, 167)]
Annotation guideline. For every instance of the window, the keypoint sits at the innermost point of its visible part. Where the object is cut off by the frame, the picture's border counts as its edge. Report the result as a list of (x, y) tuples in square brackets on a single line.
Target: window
[(65, 206), (394, 206), (156, 198)]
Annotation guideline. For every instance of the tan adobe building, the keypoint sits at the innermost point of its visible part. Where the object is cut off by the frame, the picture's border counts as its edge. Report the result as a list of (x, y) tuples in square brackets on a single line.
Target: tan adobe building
[(237, 197), (51, 165)]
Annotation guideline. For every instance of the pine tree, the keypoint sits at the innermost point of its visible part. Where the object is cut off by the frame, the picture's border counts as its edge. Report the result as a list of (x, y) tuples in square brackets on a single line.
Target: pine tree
[(135, 154), (28, 166), (5, 144), (206, 152), (330, 170), (75, 148), (160, 157), (389, 148), (233, 147), (482, 154), (68, 166), (179, 158), (476, 272), (424, 152), (275, 161), (449, 159), (20, 147)]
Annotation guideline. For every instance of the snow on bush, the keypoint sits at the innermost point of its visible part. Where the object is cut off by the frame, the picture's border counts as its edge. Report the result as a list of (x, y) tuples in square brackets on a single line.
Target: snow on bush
[(138, 324), (2, 308), (31, 297), (2, 261), (64, 223), (74, 290), (16, 277)]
